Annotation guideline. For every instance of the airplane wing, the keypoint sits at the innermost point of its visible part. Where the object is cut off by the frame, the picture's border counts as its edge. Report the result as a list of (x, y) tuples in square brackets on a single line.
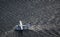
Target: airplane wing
[(27, 26), (24, 25)]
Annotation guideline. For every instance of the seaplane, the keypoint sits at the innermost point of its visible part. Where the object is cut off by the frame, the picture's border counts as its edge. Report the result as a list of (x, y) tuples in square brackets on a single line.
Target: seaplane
[(21, 27)]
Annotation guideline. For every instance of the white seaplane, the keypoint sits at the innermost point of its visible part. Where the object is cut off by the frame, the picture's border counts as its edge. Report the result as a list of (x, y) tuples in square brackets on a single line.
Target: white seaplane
[(21, 26)]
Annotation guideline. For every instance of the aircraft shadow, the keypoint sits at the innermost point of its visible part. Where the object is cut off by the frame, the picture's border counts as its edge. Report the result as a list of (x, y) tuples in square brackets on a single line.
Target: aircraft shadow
[(31, 33), (26, 33)]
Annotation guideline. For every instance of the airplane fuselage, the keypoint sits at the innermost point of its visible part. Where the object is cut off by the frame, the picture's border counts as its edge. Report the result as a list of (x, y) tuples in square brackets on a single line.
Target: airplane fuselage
[(21, 25)]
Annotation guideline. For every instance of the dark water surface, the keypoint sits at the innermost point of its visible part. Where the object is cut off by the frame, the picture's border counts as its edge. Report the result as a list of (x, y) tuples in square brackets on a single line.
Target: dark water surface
[(45, 13)]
